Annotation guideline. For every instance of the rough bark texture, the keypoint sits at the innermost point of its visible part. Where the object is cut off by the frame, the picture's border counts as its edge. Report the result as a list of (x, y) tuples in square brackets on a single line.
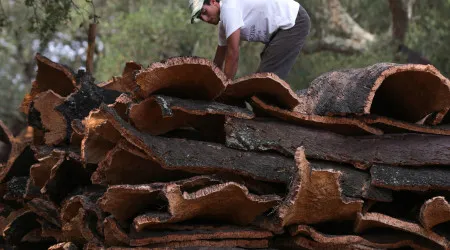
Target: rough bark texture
[(267, 86), (376, 90), (411, 178), (340, 125), (203, 157), (194, 78), (393, 149), (315, 190), (169, 113)]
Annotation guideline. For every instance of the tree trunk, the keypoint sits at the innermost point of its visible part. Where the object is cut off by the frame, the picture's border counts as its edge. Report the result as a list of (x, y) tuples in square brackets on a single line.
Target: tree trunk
[(401, 11), (91, 48)]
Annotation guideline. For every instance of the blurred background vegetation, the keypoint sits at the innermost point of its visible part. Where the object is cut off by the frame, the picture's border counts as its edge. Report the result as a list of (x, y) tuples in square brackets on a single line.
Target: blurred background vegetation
[(345, 34)]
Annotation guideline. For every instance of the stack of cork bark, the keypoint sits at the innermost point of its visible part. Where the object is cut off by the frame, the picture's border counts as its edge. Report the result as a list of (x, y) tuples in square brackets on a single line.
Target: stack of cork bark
[(177, 156)]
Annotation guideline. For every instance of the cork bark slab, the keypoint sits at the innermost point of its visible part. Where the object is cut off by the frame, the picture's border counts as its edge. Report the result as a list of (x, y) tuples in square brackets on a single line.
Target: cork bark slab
[(160, 114), (53, 121), (315, 196), (71, 207), (46, 210), (197, 232), (389, 125), (18, 224), (411, 178), (50, 76), (63, 246), (387, 239), (266, 86), (389, 149), (188, 77), (404, 92), (229, 202), (40, 172), (20, 160), (340, 125), (124, 164), (203, 157), (65, 176), (126, 82), (121, 105), (81, 228), (376, 220), (89, 96), (77, 133), (434, 212), (15, 189), (6, 143)]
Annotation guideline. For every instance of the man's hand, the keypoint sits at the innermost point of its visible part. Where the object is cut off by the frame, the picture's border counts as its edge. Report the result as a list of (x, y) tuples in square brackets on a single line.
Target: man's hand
[(232, 54)]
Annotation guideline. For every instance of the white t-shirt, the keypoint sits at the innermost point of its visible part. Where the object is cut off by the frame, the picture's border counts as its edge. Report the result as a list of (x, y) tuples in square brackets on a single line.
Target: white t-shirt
[(257, 19)]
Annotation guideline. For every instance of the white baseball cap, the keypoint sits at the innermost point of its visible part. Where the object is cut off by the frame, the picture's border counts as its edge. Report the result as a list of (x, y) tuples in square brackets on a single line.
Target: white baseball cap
[(196, 7)]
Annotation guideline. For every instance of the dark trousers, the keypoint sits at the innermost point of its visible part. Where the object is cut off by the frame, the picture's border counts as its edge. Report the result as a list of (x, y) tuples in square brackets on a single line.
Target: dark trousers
[(280, 53)]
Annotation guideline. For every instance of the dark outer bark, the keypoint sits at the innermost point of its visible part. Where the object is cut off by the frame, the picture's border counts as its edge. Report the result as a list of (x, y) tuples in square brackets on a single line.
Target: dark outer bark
[(355, 183), (403, 178), (350, 92), (394, 149), (21, 165), (16, 188), (88, 97), (203, 157)]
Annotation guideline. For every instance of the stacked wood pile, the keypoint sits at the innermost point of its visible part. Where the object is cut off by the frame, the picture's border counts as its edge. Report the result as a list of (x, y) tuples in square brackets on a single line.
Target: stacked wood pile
[(177, 156)]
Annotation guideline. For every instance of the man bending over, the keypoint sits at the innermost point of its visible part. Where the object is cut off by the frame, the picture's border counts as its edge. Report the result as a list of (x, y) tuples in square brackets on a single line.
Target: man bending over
[(282, 25)]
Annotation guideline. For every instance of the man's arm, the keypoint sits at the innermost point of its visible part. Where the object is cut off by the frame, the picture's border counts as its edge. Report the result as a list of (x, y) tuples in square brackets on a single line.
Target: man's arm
[(232, 54), (220, 56)]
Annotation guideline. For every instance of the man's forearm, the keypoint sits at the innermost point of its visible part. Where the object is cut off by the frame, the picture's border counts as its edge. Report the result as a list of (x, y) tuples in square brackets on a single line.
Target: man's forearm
[(231, 63), (219, 58)]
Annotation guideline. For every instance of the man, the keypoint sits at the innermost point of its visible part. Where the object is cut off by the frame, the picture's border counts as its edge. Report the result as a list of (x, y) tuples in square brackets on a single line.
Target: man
[(282, 25)]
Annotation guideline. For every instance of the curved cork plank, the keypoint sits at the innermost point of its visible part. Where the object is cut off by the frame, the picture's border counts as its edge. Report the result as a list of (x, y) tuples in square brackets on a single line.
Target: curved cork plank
[(189, 77), (81, 228), (411, 178), (229, 202), (121, 105), (50, 76), (160, 114), (266, 86), (434, 212), (376, 220), (389, 125), (40, 172), (404, 92), (52, 120), (46, 210), (340, 125), (125, 164), (315, 196), (126, 82), (71, 207), (77, 133), (18, 224), (63, 246), (65, 176), (6, 143), (20, 160), (389, 149), (384, 240), (204, 157)]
